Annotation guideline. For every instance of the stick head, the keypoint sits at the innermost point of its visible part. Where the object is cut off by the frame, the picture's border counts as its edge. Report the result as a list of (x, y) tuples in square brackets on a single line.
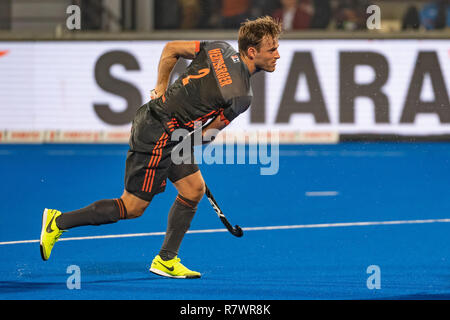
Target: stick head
[(237, 231)]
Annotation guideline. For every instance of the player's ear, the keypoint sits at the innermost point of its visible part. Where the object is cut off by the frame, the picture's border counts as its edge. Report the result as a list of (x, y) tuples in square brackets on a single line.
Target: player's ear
[(251, 52)]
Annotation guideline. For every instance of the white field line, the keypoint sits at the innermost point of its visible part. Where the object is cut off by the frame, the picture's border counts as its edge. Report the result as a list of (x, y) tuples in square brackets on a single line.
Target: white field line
[(321, 193), (299, 226)]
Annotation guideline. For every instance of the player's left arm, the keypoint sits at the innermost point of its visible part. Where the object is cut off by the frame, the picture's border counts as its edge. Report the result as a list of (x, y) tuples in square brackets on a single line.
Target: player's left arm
[(172, 51)]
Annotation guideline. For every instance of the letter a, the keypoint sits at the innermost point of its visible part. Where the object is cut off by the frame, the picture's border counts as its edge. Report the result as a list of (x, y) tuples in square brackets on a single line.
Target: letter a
[(73, 281), (374, 21), (74, 20), (374, 281)]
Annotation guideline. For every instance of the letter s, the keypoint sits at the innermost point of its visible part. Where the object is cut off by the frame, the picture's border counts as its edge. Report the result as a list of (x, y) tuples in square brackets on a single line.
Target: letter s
[(118, 87)]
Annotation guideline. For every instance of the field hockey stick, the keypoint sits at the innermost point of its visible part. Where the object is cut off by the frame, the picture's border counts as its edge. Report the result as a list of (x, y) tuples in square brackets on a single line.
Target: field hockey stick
[(236, 231)]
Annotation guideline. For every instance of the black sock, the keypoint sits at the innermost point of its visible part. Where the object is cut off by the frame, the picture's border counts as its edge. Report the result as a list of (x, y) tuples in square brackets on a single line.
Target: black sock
[(179, 221), (100, 212)]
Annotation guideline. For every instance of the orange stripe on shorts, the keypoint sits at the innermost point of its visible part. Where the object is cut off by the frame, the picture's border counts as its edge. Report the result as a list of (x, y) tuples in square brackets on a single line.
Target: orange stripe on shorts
[(153, 162)]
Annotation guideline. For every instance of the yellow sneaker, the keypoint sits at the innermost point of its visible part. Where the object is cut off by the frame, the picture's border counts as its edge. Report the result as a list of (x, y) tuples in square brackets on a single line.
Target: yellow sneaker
[(172, 269), (50, 233)]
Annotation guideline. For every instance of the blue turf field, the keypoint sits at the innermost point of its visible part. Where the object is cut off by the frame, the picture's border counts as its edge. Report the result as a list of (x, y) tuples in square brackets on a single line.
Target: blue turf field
[(318, 258)]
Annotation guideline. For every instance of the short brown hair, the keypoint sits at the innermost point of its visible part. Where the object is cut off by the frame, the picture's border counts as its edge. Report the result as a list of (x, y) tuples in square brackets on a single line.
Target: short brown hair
[(252, 32)]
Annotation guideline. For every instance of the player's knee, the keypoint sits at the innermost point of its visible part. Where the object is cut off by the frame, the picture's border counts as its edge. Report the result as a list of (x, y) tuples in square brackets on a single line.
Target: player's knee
[(191, 187), (196, 190), (135, 207), (201, 189), (135, 212)]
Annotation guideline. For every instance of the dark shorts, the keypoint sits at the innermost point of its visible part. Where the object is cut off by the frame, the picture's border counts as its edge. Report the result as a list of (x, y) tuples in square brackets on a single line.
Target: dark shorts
[(149, 161)]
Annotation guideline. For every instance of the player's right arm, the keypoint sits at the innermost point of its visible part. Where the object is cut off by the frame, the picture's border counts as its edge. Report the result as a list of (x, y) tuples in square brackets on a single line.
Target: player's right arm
[(172, 51), (238, 106), (209, 133)]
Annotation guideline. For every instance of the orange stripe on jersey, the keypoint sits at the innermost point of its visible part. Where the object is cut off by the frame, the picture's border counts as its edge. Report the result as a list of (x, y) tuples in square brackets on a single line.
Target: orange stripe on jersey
[(202, 118), (223, 118), (197, 46)]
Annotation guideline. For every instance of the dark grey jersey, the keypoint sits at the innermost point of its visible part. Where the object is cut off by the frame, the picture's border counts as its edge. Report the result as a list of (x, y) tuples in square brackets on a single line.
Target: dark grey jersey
[(216, 83)]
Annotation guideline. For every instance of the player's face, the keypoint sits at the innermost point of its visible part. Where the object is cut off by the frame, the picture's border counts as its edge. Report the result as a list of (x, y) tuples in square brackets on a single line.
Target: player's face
[(266, 58)]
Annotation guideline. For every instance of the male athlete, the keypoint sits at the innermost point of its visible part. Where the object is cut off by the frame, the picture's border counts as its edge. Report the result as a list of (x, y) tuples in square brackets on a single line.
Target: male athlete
[(215, 87)]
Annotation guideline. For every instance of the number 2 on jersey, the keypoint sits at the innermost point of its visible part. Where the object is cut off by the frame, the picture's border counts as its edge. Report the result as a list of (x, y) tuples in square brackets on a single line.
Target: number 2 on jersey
[(201, 74)]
